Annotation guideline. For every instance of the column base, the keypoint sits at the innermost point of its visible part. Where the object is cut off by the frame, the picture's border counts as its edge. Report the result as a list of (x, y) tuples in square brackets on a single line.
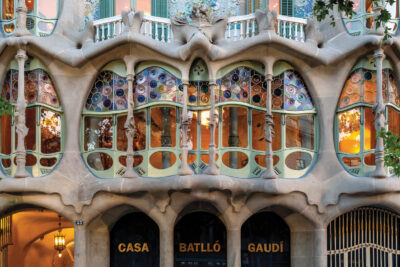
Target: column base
[(21, 173), (185, 170), (269, 174), (378, 173), (211, 169)]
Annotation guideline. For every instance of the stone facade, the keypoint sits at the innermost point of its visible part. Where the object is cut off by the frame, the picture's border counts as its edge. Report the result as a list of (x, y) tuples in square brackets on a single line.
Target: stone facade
[(307, 204)]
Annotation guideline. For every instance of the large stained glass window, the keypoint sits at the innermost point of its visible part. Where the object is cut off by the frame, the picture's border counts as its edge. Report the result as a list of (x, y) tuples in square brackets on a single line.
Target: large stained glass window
[(41, 17), (43, 120), (157, 96), (355, 131)]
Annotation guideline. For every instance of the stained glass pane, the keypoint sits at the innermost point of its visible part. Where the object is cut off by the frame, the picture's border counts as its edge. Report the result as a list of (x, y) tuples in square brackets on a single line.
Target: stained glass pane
[(234, 127), (369, 130), (277, 92), (393, 91), (31, 86), (369, 86), (349, 130), (352, 90), (50, 131), (30, 5), (296, 96), (236, 85), (205, 93), (139, 142), (300, 131), (258, 125), (5, 124), (47, 92), (163, 127), (193, 93), (158, 84), (98, 133)]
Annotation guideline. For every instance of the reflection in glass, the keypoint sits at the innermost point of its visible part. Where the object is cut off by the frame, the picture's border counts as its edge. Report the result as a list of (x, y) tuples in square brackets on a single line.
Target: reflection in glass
[(261, 160), (369, 132), (370, 159), (300, 131), (258, 125), (394, 121), (30, 4), (351, 162), (349, 130), (234, 127), (298, 160), (158, 160), (139, 142), (5, 124), (205, 129), (48, 8), (8, 9), (137, 160), (98, 133), (48, 162), (121, 5), (99, 161), (235, 160), (50, 131)]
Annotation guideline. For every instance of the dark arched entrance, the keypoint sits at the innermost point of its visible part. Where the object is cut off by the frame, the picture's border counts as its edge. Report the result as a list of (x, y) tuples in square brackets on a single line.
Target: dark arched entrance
[(200, 240), (134, 241), (265, 241)]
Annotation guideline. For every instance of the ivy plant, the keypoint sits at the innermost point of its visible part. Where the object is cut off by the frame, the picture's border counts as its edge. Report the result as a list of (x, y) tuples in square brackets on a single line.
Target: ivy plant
[(392, 149), (322, 9), (5, 107)]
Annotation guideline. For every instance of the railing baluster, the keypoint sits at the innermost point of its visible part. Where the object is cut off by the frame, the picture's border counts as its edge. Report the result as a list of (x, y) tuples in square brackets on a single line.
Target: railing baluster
[(229, 31), (235, 31), (156, 30), (253, 27), (247, 29), (296, 31), (169, 33), (284, 29), (97, 34), (162, 32)]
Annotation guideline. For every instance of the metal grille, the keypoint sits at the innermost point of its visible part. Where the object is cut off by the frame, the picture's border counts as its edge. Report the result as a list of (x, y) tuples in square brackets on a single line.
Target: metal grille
[(5, 232), (365, 237)]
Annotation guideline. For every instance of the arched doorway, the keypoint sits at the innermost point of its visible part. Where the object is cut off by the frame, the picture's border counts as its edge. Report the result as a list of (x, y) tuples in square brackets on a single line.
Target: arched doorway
[(265, 241), (200, 240), (135, 242), (27, 239)]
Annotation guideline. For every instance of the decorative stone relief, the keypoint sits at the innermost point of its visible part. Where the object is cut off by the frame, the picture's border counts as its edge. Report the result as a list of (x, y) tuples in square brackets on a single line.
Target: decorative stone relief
[(266, 20), (312, 34), (132, 20)]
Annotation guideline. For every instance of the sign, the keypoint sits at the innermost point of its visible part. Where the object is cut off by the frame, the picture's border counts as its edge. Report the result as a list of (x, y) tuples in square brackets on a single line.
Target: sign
[(265, 241), (200, 240), (135, 242)]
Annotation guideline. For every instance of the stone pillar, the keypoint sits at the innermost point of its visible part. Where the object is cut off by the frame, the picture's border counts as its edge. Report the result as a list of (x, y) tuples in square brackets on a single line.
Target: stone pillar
[(233, 247), (320, 243), (130, 125), (20, 109), (233, 140), (167, 246), (269, 173), (212, 168), (379, 112), (21, 19), (185, 124), (80, 252)]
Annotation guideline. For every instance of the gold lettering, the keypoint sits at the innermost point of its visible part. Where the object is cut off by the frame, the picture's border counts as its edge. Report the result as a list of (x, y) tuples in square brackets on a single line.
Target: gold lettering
[(275, 247), (202, 248), (281, 246), (137, 247), (145, 248), (129, 248), (251, 247), (121, 247), (182, 247), (196, 246), (217, 247), (190, 248), (265, 248), (209, 249), (259, 248)]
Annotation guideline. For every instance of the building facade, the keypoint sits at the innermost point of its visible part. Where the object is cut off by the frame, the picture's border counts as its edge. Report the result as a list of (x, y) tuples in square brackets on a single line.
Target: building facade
[(202, 133)]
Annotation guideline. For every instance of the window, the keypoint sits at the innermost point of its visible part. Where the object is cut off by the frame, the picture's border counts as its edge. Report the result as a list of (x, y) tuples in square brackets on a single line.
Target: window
[(112, 8), (41, 17), (43, 120), (355, 131), (157, 96)]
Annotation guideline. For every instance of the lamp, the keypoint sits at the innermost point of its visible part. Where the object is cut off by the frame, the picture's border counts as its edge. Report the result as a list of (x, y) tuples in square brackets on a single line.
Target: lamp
[(59, 239)]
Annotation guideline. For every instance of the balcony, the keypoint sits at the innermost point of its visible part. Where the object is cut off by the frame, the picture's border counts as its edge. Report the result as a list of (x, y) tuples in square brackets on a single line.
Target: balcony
[(238, 28)]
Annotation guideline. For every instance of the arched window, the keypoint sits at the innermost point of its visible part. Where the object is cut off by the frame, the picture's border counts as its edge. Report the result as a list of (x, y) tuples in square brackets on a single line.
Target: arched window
[(366, 236), (43, 119), (355, 131), (241, 107), (291, 8), (41, 17), (157, 100), (362, 21)]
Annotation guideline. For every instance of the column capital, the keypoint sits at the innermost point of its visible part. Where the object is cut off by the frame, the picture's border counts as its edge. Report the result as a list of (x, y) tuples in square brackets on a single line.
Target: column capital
[(185, 82), (130, 77), (269, 76), (21, 55), (379, 53)]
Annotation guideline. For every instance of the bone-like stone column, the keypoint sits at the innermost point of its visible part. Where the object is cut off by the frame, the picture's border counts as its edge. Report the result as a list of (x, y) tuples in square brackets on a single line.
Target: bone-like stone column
[(80, 237), (379, 112), (130, 119), (167, 245), (21, 19), (20, 109), (212, 168), (185, 124), (269, 173), (320, 242), (233, 247)]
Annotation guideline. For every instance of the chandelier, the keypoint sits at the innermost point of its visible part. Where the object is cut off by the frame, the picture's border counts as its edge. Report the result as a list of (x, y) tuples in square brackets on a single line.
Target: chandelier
[(59, 239)]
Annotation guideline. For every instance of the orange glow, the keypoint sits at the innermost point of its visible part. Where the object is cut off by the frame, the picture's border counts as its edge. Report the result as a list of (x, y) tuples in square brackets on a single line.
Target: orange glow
[(349, 131), (369, 132)]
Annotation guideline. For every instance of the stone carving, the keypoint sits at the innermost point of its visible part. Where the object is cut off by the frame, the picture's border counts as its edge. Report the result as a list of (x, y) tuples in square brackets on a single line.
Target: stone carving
[(183, 31), (312, 34), (79, 37), (266, 20), (132, 20), (21, 19)]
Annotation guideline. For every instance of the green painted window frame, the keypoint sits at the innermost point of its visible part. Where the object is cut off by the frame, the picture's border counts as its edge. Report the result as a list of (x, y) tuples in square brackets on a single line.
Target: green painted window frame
[(36, 170), (33, 15)]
